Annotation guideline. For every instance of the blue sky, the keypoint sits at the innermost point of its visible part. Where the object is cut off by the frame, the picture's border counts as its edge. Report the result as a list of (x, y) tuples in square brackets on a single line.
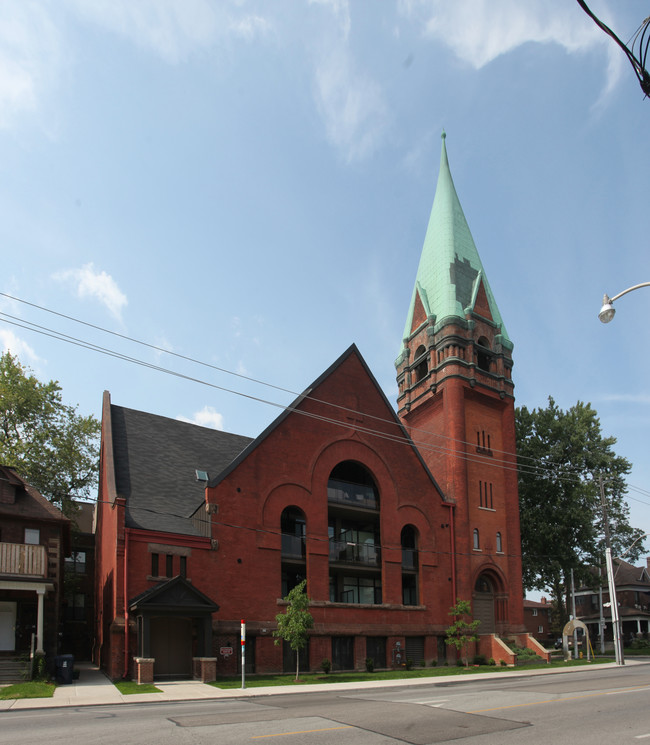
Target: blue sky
[(248, 183)]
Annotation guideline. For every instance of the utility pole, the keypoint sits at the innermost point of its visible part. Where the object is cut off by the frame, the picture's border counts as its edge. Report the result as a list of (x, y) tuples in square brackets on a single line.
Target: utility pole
[(618, 647), (573, 605)]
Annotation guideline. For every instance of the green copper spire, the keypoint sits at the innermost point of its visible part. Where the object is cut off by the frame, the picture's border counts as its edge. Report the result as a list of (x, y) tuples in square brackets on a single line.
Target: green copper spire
[(450, 274)]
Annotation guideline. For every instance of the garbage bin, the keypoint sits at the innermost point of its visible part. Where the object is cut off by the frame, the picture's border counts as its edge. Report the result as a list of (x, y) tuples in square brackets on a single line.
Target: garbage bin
[(63, 668)]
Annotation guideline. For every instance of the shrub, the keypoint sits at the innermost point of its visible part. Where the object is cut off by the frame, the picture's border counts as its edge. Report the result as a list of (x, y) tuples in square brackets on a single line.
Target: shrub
[(479, 659), (491, 662), (434, 663), (370, 664), (326, 666), (423, 663), (503, 663), (409, 663), (38, 669)]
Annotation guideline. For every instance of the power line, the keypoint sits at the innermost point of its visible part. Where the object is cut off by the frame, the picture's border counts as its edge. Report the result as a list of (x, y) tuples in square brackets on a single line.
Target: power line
[(508, 465), (535, 467)]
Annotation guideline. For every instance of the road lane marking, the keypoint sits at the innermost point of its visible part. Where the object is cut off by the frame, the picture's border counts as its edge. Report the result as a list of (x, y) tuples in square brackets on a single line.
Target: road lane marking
[(300, 732), (559, 700), (428, 701), (641, 737)]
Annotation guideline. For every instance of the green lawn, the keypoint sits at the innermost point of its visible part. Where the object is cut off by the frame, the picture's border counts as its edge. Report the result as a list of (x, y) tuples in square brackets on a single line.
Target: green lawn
[(258, 681), (128, 687), (30, 689)]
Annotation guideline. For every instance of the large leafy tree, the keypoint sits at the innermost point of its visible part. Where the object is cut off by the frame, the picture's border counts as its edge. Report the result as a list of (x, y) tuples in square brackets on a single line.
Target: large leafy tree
[(294, 624), (561, 456), (48, 443)]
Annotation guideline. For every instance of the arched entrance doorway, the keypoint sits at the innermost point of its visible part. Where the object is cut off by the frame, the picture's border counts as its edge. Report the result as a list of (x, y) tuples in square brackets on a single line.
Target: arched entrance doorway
[(483, 604)]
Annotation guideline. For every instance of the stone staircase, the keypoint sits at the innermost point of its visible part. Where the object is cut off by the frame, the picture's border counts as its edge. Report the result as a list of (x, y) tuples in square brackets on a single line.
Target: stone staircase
[(14, 669)]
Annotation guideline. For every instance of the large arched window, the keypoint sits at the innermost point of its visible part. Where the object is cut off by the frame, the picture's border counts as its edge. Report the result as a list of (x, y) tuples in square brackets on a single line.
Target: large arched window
[(351, 484), (353, 527)]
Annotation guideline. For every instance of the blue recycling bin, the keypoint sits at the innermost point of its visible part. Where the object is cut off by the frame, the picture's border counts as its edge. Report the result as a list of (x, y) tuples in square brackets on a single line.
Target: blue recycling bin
[(64, 668)]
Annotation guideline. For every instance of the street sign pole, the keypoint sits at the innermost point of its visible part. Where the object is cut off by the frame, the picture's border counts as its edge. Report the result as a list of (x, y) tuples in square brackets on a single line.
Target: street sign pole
[(243, 653)]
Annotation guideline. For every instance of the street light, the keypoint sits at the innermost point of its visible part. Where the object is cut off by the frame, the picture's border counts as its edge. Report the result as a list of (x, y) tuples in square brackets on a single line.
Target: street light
[(607, 311)]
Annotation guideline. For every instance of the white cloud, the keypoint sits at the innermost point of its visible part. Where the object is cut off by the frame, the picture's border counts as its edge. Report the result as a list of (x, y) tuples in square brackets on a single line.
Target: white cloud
[(99, 285), (208, 416), (19, 348), (479, 31), (30, 58), (351, 104), (170, 28), (341, 11), (628, 398)]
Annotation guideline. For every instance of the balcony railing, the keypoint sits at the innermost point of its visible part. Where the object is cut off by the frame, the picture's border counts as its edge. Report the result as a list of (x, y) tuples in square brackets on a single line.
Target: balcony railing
[(293, 546), (23, 560), (367, 554), (409, 558), (355, 495)]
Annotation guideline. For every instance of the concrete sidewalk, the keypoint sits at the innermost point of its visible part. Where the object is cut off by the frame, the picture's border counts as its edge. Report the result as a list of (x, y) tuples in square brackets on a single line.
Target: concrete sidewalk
[(93, 688)]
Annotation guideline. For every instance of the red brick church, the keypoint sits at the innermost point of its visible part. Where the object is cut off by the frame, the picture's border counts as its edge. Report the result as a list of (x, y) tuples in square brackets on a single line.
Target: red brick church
[(389, 516)]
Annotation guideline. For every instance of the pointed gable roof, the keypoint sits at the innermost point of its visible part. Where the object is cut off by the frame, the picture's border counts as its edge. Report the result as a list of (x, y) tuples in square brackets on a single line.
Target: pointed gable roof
[(450, 276), (177, 594), (338, 407)]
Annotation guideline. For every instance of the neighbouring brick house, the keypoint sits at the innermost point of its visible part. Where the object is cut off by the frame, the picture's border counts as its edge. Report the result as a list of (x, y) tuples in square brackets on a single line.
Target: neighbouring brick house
[(390, 517), (537, 617), (633, 598), (34, 539)]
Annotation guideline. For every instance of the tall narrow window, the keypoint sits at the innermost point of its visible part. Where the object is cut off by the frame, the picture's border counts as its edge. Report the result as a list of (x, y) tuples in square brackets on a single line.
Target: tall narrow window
[(499, 544), (421, 364), (154, 565), (183, 566), (477, 543), (169, 565)]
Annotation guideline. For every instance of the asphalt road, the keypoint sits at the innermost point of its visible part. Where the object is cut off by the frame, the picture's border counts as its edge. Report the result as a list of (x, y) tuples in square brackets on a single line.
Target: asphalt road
[(588, 707)]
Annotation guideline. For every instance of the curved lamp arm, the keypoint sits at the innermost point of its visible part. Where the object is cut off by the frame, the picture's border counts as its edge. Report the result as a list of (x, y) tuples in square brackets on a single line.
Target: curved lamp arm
[(607, 311)]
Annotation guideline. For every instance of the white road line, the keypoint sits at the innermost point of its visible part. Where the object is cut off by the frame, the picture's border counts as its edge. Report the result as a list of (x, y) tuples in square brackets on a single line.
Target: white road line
[(429, 701)]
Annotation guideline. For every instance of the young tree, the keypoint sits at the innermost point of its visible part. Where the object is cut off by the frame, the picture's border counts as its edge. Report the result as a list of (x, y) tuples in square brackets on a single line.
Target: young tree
[(462, 632), (560, 456), (295, 622), (46, 441)]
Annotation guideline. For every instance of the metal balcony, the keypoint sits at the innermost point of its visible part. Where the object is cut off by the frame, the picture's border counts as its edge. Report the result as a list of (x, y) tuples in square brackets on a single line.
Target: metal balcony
[(293, 546), (352, 495), (365, 554)]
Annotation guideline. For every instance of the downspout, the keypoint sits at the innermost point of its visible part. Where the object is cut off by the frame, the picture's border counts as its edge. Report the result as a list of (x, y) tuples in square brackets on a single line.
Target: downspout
[(125, 674), (452, 541)]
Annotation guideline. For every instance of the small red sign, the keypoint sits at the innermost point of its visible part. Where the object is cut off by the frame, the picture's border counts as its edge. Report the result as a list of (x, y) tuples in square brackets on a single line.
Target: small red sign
[(226, 651)]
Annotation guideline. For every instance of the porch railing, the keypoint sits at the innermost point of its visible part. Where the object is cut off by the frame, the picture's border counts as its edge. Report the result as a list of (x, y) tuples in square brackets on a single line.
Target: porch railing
[(23, 560)]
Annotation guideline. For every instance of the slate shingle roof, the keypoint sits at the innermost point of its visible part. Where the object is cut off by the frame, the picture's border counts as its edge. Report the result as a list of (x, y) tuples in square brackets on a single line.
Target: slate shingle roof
[(30, 504), (156, 459)]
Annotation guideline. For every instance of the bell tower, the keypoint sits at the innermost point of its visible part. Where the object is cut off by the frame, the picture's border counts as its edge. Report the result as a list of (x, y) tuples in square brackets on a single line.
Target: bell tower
[(456, 400)]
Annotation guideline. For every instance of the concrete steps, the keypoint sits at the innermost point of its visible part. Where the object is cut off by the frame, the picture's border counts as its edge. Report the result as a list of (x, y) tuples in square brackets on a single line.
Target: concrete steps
[(14, 669)]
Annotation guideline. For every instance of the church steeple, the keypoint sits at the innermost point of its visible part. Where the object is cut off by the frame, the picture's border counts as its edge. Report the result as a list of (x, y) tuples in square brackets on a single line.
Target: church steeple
[(451, 289), (450, 280)]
